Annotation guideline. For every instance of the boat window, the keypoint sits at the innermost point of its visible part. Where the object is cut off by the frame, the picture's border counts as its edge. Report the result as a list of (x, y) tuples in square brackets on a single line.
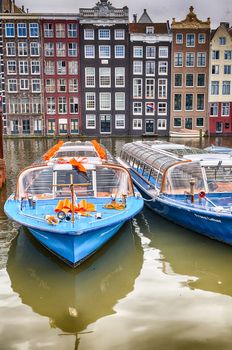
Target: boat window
[(79, 153), (112, 181), (219, 178)]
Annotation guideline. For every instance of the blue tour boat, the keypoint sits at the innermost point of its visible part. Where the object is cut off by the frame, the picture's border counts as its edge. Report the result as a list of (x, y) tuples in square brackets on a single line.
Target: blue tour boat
[(186, 185), (73, 205)]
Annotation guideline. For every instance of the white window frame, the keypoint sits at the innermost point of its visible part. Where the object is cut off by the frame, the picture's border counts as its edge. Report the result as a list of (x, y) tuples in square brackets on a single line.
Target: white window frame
[(120, 37), (105, 72), (103, 54), (138, 88), (165, 49), (90, 75), (92, 100), (138, 52), (136, 123), (162, 88), (87, 31), (120, 121), (92, 55), (194, 36), (162, 108), (163, 68), (120, 76), (137, 65), (105, 31), (138, 105), (120, 101), (105, 101), (122, 53), (90, 121), (163, 125)]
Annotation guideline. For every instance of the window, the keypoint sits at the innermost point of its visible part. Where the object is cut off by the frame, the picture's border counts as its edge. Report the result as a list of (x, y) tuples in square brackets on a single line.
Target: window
[(22, 48), (215, 69), (90, 101), (24, 105), (51, 126), (149, 108), (189, 102), (138, 51), (61, 85), (215, 88), (49, 49), (63, 123), (137, 67), (188, 123), (178, 80), (163, 52), (200, 102), (201, 38), (163, 68), (51, 105), (228, 54), (38, 126), (13, 106), (88, 34), (90, 121), (199, 122), (10, 30), (178, 59), (105, 100), (73, 85), (222, 40), (150, 88), (104, 77), (179, 38), (72, 30), (10, 49), (23, 67), (104, 34), (119, 51), (215, 55), (48, 30), (73, 105), (119, 34), (162, 88), (214, 109), (201, 59), (150, 30), (34, 49), (74, 126), (189, 80), (137, 108), (162, 108), (60, 49), (61, 67), (35, 67), (72, 67), (161, 124), (177, 102), (26, 126), (22, 30), (49, 67), (89, 51), (72, 49), (200, 79), (225, 109), (62, 105), (60, 30), (120, 101), (177, 122), (50, 85), (24, 84), (150, 68), (34, 30), (190, 40), (137, 88), (226, 88), (12, 85), (89, 77), (36, 85), (119, 121), (150, 52), (104, 51), (119, 77), (189, 59), (11, 67), (227, 69), (137, 124)]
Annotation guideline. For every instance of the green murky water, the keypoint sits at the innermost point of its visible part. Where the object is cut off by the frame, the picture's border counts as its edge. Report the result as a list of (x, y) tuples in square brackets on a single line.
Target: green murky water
[(154, 286)]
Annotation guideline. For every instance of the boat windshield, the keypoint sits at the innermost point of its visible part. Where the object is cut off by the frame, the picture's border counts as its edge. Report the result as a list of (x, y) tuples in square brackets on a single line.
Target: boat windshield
[(44, 182)]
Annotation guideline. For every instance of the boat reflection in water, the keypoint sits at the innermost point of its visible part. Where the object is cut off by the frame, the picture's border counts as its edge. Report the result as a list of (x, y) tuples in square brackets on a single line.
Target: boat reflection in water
[(205, 261), (73, 299)]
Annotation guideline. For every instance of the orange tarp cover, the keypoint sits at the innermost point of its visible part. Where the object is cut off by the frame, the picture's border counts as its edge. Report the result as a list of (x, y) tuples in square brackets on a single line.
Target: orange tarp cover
[(101, 152), (66, 206), (52, 150), (78, 165)]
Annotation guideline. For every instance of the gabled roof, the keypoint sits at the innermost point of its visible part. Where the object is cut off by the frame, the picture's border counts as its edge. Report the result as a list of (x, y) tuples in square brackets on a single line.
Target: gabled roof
[(222, 24), (145, 18)]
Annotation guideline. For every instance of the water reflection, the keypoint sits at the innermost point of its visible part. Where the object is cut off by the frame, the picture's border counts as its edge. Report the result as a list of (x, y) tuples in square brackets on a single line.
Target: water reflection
[(73, 299), (187, 253)]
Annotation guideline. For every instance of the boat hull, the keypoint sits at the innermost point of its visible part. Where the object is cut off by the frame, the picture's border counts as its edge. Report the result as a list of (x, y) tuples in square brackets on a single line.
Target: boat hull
[(214, 225)]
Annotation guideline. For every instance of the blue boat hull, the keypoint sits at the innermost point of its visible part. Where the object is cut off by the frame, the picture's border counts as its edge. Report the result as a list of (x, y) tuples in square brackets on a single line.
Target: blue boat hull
[(214, 225)]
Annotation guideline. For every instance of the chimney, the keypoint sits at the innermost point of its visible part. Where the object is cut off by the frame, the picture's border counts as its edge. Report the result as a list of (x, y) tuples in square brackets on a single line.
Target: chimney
[(23, 8), (226, 24), (27, 10), (135, 18)]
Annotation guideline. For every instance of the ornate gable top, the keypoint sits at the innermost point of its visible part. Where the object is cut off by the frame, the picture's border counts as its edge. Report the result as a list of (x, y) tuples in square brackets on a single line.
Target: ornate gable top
[(191, 21), (104, 8)]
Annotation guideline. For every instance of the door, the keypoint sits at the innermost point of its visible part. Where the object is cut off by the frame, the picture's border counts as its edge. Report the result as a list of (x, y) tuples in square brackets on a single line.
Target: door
[(149, 126), (219, 127), (105, 126)]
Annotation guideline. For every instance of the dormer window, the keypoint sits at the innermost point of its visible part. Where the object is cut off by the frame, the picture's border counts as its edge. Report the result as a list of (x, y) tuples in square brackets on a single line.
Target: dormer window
[(149, 30), (222, 40)]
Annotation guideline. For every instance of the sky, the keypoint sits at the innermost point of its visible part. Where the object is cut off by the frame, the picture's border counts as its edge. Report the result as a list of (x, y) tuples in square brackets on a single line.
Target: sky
[(158, 10)]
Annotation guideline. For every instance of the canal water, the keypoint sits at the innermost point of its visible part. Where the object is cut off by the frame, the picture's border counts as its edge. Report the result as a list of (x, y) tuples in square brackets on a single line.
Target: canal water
[(154, 286)]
